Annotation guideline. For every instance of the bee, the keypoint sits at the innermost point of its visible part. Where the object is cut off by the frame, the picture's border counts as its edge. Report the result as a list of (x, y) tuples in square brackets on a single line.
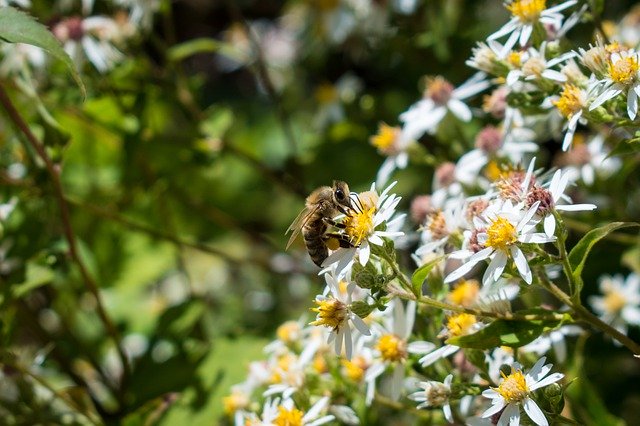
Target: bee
[(321, 206)]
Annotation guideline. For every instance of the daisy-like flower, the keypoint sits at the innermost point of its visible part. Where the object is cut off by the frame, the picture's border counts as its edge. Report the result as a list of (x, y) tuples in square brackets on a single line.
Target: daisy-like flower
[(571, 104), (501, 228), (456, 325), (363, 226), (515, 390), (525, 15), (335, 313), (435, 394), (92, 38), (619, 305), (439, 98), (549, 199), (622, 77), (535, 66), (286, 413), (391, 349), (390, 142), (586, 160)]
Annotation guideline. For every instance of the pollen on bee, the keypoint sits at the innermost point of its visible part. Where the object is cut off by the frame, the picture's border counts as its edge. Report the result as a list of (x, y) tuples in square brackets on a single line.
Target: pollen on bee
[(332, 244)]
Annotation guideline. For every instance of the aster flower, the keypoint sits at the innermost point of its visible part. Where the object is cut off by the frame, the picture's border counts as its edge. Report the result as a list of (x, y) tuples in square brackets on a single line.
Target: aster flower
[(526, 14), (456, 325), (620, 304), (571, 104), (286, 413), (335, 312), (622, 77), (535, 66), (435, 394), (501, 228), (589, 159), (390, 142), (440, 97), (363, 226), (515, 390), (391, 349), (549, 200)]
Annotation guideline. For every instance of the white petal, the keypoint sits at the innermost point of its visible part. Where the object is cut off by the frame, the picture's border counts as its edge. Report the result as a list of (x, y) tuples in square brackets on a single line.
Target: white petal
[(576, 207), (365, 252), (550, 225), (510, 416), (420, 347), (554, 75), (360, 325), (466, 267), (525, 34), (439, 353), (546, 381), (632, 104), (534, 412), (495, 408), (459, 109), (521, 264), (506, 29), (496, 267), (604, 97)]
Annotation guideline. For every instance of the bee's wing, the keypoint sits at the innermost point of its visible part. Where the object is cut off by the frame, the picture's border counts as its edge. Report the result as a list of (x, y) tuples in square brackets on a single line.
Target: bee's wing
[(298, 223)]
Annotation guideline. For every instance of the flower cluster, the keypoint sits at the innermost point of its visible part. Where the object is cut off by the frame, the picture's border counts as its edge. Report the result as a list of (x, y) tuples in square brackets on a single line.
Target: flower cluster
[(492, 231)]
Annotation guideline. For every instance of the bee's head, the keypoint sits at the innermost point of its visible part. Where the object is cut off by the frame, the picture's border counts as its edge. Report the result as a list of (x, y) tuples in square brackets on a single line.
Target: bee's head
[(341, 193)]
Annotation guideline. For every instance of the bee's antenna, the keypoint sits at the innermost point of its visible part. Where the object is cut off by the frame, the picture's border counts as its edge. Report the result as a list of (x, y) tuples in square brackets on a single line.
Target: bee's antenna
[(356, 200)]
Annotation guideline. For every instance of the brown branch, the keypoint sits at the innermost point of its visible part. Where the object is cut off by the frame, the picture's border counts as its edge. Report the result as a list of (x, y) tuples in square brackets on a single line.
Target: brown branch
[(54, 172)]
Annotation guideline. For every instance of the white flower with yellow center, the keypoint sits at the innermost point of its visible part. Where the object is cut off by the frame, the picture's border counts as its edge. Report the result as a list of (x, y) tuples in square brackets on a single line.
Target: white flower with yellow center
[(623, 77), (456, 325), (515, 390), (440, 97), (525, 15), (391, 349), (533, 65), (362, 226), (393, 145), (620, 303), (286, 413), (435, 394), (503, 227), (570, 105), (335, 313)]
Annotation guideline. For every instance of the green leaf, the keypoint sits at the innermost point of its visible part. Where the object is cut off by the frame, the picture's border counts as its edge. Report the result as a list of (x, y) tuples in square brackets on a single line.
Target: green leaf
[(631, 259), (201, 45), (418, 277), (36, 276), (580, 252), (19, 27), (512, 333), (587, 405)]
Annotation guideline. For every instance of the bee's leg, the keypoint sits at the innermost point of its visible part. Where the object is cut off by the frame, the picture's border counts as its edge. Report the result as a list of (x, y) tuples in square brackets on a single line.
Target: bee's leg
[(343, 209), (342, 239), (333, 223)]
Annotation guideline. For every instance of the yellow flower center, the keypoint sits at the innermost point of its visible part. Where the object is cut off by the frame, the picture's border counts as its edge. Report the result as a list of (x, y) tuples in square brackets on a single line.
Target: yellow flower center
[(527, 11), (513, 387), (465, 294), (385, 139), (461, 324), (392, 348), (624, 70), (534, 67), (571, 100), (286, 417), (492, 171), (614, 301), (359, 222), (437, 224), (288, 332), (355, 368), (332, 313), (515, 59), (501, 234)]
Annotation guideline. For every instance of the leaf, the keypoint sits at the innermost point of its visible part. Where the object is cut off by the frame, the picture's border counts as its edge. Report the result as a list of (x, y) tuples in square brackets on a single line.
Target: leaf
[(418, 277), (36, 276), (587, 405), (580, 252), (19, 27), (512, 333), (631, 259)]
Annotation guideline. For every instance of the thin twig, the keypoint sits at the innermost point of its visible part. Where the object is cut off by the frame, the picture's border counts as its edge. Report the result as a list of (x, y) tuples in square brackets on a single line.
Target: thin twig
[(54, 172)]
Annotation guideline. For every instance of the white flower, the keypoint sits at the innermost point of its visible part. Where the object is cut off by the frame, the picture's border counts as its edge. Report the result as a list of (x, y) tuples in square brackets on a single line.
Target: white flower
[(391, 348), (620, 303), (370, 211), (500, 230), (390, 142), (587, 160), (335, 312), (526, 14), (535, 66), (515, 390), (550, 198), (623, 76), (440, 97), (435, 394), (554, 339), (456, 325)]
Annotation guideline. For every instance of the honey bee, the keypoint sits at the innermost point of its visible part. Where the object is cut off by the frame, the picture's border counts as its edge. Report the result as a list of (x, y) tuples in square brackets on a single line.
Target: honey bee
[(321, 206)]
